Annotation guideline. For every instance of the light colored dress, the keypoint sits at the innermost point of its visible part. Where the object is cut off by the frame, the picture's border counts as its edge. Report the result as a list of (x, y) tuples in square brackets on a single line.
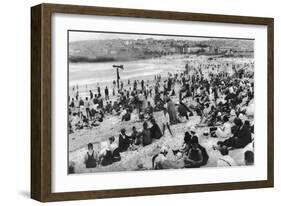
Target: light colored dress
[(224, 131)]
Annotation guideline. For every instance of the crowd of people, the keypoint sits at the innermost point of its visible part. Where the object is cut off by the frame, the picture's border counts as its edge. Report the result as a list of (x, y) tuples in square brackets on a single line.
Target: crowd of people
[(223, 99)]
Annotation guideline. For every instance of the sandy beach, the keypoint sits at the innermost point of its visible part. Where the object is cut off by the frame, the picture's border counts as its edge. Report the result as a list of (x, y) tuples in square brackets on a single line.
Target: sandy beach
[(112, 125)]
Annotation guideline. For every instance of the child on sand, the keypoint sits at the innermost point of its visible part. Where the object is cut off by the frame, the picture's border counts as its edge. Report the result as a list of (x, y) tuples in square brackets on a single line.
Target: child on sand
[(91, 157)]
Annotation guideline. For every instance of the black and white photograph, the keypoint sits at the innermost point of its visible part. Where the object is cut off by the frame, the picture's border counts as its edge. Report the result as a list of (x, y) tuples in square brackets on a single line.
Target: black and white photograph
[(139, 102)]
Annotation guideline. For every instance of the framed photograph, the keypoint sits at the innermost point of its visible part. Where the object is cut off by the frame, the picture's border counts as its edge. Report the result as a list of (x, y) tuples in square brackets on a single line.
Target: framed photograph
[(128, 102)]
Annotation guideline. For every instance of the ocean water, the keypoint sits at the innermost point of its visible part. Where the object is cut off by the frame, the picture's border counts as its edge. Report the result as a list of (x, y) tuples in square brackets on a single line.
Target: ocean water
[(93, 73)]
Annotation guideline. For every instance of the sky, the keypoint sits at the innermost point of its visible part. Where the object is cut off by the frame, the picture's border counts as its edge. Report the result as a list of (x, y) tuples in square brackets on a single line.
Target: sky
[(80, 36)]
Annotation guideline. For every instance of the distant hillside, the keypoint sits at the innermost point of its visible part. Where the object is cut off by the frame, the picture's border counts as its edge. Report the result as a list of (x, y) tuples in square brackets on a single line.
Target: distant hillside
[(129, 49)]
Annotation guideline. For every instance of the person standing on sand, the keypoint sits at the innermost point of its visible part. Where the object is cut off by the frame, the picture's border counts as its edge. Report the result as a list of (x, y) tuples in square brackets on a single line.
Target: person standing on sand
[(106, 93), (87, 107), (172, 111), (166, 121), (91, 94), (98, 88)]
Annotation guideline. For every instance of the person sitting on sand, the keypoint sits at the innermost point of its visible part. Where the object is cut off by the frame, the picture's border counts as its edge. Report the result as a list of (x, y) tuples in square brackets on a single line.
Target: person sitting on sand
[(225, 160), (146, 135), (183, 111), (155, 130), (185, 146), (71, 167), (242, 135), (161, 161), (205, 113), (158, 159), (224, 131), (85, 121), (75, 121), (125, 115), (187, 142), (114, 149), (249, 157), (124, 141), (197, 155), (105, 155), (91, 157), (135, 136), (149, 110), (194, 156)]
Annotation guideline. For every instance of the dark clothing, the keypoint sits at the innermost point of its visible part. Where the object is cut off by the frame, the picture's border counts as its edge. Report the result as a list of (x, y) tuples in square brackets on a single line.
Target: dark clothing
[(72, 104), (126, 117), (194, 154), (244, 137), (116, 155), (200, 160), (241, 138), (124, 143), (183, 110), (146, 137), (204, 155), (106, 91), (81, 103), (136, 138), (155, 131), (107, 159), (91, 161)]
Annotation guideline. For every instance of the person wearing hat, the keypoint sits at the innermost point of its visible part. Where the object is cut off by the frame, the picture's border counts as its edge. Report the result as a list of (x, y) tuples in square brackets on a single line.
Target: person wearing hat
[(105, 155), (193, 130), (114, 149)]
